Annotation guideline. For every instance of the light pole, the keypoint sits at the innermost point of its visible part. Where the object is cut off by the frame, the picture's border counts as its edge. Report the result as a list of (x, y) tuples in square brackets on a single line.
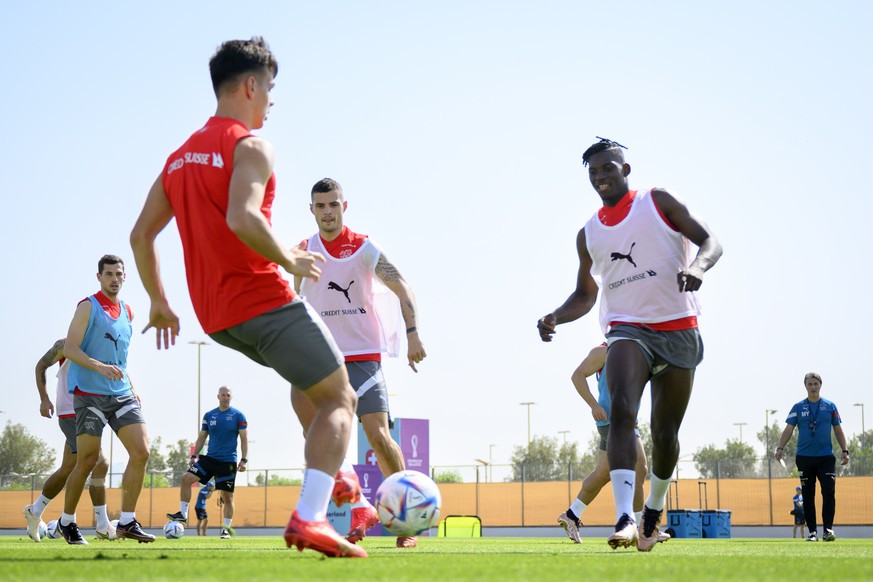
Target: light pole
[(199, 345), (491, 463), (741, 425), (564, 434), (528, 404), (861, 404), (767, 414)]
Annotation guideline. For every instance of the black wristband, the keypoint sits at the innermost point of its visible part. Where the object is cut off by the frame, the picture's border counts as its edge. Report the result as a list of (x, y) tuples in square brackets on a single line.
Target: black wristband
[(846, 451), (193, 456), (410, 330), (780, 449), (243, 460)]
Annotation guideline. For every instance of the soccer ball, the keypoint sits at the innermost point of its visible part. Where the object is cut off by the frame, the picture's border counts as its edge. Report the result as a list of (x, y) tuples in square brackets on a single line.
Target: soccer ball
[(408, 503), (173, 530), (51, 530), (113, 529), (43, 529)]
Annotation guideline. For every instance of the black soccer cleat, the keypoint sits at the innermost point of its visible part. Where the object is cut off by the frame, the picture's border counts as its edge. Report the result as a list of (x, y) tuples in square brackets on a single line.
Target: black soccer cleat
[(133, 531), (178, 517), (71, 534)]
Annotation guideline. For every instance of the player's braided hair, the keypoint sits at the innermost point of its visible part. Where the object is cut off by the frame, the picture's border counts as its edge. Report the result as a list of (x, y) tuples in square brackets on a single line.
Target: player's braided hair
[(601, 146)]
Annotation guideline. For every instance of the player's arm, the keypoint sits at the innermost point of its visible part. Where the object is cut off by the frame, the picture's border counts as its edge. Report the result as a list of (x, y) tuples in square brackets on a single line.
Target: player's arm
[(75, 336), (155, 215), (252, 168), (198, 446), (783, 440), (133, 390), (391, 277), (709, 249), (244, 450), (580, 301), (593, 361), (49, 359), (841, 440)]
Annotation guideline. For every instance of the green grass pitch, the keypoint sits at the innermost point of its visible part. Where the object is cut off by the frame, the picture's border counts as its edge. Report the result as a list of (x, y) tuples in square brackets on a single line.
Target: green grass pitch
[(251, 558)]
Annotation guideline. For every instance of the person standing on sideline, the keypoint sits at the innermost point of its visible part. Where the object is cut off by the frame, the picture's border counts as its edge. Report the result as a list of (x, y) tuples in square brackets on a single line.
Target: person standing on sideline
[(67, 422), (345, 298), (96, 345), (814, 416), (571, 520), (222, 425), (797, 512), (219, 186), (200, 507), (638, 245)]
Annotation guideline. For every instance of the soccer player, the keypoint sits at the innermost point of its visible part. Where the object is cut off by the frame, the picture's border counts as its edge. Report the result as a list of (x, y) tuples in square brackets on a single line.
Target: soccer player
[(571, 520), (345, 298), (797, 512), (639, 247), (67, 422), (814, 417), (219, 186), (222, 425), (96, 345), (200, 507)]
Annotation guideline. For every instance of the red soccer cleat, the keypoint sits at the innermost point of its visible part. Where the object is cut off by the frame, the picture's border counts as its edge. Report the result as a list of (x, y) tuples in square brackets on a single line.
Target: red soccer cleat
[(407, 542), (363, 518), (346, 489), (321, 537)]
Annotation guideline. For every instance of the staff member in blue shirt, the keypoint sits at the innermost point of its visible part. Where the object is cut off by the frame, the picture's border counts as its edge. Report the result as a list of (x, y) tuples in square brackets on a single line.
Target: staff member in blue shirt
[(814, 416), (223, 425)]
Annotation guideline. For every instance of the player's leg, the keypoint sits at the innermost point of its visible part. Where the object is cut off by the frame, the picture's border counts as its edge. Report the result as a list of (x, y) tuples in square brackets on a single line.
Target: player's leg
[(227, 510), (627, 371), (642, 471), (827, 476), (571, 520), (135, 439), (195, 473), (88, 451), (97, 492), (806, 468), (51, 488), (388, 453)]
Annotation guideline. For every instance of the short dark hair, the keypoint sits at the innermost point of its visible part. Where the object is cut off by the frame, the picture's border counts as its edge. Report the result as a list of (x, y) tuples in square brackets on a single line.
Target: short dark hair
[(812, 375), (326, 185), (235, 58), (601, 146), (108, 260)]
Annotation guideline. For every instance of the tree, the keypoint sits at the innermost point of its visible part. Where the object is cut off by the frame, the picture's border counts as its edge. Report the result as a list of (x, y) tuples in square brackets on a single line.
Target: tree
[(788, 454), (177, 460), (21, 453), (447, 477), (157, 463), (860, 456), (542, 460), (736, 459)]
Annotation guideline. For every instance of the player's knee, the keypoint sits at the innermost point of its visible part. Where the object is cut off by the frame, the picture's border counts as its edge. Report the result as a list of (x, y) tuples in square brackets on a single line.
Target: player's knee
[(139, 455), (665, 438), (100, 470)]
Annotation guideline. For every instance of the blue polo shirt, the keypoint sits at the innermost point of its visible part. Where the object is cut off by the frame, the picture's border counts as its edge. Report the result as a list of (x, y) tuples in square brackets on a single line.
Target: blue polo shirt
[(223, 428), (814, 421), (201, 498)]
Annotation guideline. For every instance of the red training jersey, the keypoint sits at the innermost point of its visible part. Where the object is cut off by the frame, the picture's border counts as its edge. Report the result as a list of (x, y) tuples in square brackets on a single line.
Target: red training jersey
[(229, 283)]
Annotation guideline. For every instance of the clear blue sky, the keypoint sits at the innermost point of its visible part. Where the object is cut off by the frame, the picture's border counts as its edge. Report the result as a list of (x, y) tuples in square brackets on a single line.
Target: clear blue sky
[(456, 129)]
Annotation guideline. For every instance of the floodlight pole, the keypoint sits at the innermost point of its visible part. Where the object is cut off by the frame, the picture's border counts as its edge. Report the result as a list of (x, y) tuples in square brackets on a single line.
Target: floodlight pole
[(767, 414), (861, 404), (199, 345), (741, 425), (528, 404)]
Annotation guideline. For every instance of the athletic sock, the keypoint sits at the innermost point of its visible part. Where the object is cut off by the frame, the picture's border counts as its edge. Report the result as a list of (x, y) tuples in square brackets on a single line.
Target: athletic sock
[(101, 519), (577, 508), (67, 518), (314, 495), (657, 492), (638, 517), (183, 508), (227, 522), (39, 505), (126, 517), (623, 487)]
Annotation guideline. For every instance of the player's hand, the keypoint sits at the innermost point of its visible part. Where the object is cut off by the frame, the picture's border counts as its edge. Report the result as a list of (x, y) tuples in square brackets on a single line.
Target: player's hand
[(166, 324), (416, 352), (111, 372), (844, 458), (46, 408), (599, 413), (546, 326), (303, 264), (241, 467), (779, 454), (690, 279), (191, 462)]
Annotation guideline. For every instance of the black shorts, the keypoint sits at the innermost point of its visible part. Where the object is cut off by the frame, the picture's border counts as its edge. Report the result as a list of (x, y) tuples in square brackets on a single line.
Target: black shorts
[(201, 512), (224, 472)]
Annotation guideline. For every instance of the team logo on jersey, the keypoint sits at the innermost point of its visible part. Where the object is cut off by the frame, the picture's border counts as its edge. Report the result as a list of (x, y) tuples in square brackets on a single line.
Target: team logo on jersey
[(217, 160), (336, 287), (114, 340), (616, 255)]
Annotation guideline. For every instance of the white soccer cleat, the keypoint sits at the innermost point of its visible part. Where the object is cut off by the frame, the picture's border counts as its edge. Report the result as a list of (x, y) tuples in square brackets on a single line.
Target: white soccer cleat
[(32, 523), (571, 527), (625, 535), (650, 534), (829, 536)]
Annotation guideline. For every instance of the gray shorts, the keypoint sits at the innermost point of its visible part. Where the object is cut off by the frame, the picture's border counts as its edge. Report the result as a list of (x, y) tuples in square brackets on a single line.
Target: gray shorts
[(604, 434), (95, 412), (369, 384), (68, 427), (679, 349), (292, 339)]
